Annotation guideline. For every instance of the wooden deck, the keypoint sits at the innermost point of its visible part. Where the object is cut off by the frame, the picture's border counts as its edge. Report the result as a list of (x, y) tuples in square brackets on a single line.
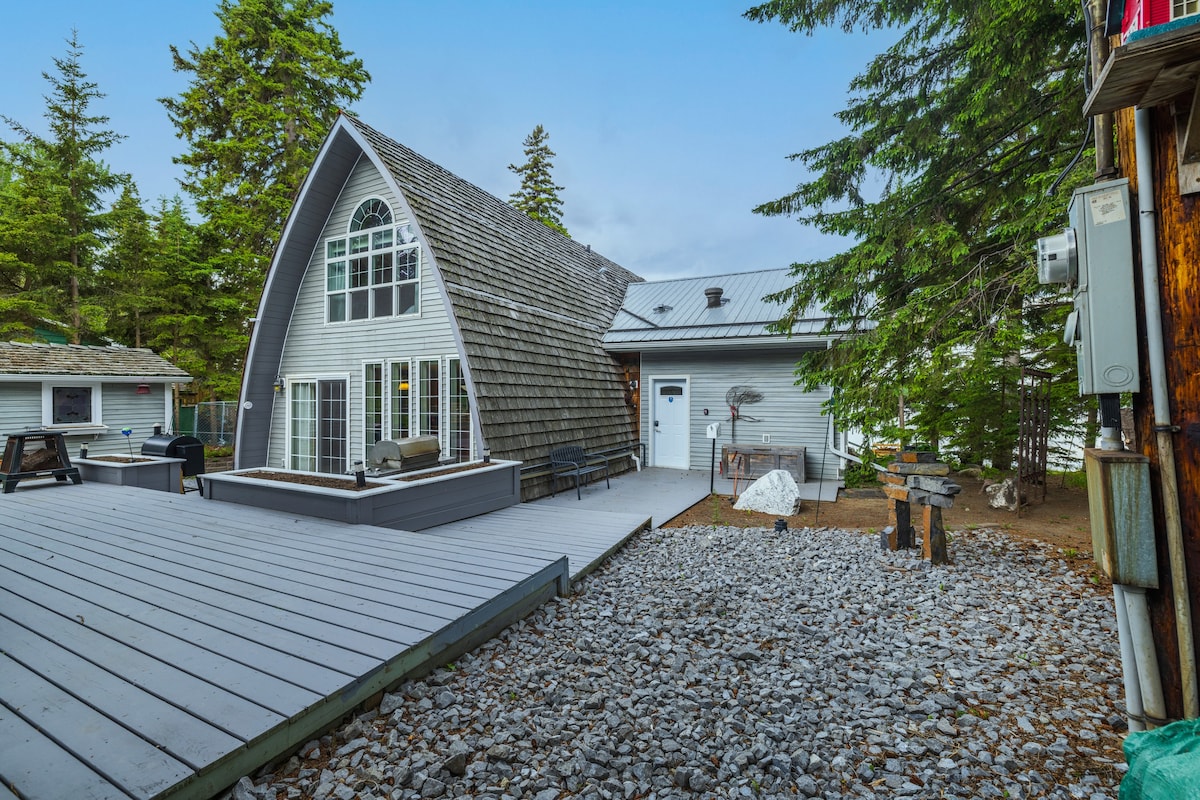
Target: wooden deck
[(155, 645)]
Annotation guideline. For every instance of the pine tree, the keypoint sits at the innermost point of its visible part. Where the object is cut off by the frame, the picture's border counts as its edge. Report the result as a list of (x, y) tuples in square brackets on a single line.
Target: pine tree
[(261, 98), (131, 287), (52, 218), (957, 132), (538, 195)]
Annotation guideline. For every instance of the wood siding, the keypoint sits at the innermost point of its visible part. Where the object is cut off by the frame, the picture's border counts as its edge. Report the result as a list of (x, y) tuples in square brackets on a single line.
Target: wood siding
[(788, 414), (1179, 290), (313, 347), (120, 407)]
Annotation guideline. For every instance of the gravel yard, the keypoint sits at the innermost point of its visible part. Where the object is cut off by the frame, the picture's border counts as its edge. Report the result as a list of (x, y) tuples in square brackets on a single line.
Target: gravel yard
[(727, 662)]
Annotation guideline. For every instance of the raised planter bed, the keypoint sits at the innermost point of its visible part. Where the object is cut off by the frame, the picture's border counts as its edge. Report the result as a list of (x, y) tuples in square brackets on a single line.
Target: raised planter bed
[(145, 472), (412, 501)]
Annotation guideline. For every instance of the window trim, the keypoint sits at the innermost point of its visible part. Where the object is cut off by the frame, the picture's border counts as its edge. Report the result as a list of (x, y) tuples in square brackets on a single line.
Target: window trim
[(96, 423), (315, 380), (396, 250)]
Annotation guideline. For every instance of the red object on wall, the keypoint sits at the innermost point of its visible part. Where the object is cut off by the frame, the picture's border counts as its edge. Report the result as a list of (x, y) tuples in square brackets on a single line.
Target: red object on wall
[(1142, 14)]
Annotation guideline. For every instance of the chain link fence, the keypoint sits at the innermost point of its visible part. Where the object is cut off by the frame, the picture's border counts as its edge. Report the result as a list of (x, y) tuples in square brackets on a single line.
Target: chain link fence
[(214, 424)]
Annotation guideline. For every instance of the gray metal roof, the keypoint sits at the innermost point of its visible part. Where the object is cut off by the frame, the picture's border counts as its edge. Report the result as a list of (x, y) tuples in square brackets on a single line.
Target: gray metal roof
[(675, 312), (36, 359)]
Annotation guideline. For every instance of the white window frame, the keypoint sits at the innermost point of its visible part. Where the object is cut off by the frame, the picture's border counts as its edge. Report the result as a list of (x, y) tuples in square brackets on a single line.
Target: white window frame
[(289, 383), (415, 419), (1184, 8), (96, 423), (403, 243)]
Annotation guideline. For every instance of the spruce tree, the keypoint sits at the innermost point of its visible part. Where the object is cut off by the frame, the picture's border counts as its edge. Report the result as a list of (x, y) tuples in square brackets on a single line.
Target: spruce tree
[(52, 214), (538, 196), (261, 98), (957, 133)]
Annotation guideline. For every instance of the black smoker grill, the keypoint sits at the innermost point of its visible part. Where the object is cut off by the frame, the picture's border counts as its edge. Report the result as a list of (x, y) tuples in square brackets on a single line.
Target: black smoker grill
[(189, 448)]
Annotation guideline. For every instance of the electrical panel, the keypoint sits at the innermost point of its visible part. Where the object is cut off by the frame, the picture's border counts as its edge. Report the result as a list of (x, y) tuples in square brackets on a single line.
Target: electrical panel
[(1095, 258)]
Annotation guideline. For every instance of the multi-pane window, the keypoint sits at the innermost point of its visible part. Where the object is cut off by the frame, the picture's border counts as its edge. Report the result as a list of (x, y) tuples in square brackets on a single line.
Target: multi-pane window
[(460, 413), (1183, 8), (71, 405), (373, 402), (317, 433), (429, 397), (401, 400), (374, 272), (303, 416)]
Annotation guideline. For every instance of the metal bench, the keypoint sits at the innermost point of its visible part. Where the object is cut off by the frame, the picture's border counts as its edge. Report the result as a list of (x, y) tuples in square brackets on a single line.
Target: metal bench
[(572, 462)]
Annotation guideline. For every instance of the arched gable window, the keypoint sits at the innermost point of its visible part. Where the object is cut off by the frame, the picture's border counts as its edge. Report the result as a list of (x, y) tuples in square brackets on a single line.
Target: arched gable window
[(373, 213), (375, 271)]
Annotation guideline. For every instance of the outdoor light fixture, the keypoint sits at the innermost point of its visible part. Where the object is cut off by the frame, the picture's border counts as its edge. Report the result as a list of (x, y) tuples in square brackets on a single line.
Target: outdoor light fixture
[(487, 455), (278, 384), (142, 388), (360, 478), (780, 525)]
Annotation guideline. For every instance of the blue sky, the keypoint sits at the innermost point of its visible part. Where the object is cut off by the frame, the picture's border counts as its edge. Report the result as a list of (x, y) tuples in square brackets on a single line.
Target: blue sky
[(671, 120)]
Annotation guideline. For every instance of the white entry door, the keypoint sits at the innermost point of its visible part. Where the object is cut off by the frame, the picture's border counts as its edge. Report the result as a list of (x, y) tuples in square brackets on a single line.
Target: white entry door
[(669, 423)]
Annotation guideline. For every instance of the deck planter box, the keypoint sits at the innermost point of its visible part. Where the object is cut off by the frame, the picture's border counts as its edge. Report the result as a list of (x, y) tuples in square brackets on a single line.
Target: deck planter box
[(409, 502), (147, 472)]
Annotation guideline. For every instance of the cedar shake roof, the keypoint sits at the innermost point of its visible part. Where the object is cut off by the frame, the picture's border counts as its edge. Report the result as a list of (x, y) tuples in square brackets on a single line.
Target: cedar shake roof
[(35, 359), (531, 306)]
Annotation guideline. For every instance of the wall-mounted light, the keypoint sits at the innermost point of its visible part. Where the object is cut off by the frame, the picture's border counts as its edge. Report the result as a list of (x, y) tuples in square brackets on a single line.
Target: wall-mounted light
[(278, 384), (142, 388)]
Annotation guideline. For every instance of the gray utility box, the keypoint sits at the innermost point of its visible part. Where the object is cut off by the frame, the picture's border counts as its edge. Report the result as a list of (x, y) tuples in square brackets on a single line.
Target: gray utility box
[(1095, 257), (1122, 522)]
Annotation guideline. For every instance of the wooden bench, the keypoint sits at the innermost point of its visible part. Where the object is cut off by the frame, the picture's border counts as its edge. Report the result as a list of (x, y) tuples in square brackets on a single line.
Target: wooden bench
[(572, 462)]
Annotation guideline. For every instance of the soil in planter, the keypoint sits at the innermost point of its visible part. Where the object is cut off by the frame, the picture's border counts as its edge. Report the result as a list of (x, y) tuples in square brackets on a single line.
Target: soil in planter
[(440, 472), (120, 459), (326, 481)]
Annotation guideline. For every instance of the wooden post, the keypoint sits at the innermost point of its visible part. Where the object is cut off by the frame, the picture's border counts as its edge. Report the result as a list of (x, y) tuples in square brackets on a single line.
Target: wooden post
[(935, 535)]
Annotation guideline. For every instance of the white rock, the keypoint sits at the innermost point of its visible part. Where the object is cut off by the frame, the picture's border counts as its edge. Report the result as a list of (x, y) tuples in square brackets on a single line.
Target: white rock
[(773, 493)]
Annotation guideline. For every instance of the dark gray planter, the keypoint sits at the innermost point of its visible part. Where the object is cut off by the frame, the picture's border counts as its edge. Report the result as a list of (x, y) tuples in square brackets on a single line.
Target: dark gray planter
[(157, 472), (412, 504)]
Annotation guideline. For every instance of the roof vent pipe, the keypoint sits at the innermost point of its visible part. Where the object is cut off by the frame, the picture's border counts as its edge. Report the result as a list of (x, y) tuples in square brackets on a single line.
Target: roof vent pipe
[(713, 296)]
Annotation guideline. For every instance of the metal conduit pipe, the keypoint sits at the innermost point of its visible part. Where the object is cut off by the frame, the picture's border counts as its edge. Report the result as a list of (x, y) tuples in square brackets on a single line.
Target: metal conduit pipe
[(1134, 712), (1149, 684), (1162, 416)]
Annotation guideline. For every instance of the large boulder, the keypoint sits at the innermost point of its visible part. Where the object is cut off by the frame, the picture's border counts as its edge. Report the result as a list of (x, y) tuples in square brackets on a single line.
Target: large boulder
[(773, 493), (1003, 494)]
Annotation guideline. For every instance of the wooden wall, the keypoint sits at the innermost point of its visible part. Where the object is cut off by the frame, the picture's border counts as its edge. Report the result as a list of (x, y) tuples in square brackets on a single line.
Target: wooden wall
[(1179, 281)]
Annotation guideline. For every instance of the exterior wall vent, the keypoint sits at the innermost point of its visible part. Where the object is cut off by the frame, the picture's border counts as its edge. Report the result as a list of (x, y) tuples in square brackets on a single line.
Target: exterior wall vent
[(713, 296)]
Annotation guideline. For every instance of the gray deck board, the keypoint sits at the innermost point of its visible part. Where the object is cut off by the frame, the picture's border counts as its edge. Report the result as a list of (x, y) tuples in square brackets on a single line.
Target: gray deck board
[(187, 738), (333, 626), (125, 759), (43, 768), (164, 645)]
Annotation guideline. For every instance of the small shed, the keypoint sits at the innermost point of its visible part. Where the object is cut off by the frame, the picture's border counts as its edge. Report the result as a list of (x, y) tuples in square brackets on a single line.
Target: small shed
[(87, 393), (698, 351)]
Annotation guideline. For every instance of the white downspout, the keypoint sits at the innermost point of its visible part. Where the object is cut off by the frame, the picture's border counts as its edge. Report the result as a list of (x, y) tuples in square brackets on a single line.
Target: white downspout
[(1162, 416), (1134, 712), (1142, 639)]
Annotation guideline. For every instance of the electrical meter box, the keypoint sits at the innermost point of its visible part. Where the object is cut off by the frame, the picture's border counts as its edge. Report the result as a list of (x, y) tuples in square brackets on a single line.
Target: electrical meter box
[(1095, 257), (1118, 484)]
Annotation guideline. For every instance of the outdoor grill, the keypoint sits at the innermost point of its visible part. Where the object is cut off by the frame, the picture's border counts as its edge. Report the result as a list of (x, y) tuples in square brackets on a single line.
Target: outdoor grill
[(188, 448), (405, 455)]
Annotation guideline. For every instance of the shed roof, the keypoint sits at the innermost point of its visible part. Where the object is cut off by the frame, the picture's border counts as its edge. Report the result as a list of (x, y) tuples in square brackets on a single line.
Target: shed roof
[(38, 359), (675, 313)]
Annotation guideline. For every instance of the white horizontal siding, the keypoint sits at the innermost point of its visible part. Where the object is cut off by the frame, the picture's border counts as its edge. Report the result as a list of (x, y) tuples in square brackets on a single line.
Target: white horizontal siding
[(314, 347), (788, 414)]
